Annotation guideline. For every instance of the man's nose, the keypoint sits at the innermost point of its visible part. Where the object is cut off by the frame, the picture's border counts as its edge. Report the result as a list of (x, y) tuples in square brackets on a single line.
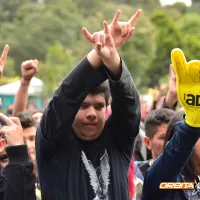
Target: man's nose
[(91, 113)]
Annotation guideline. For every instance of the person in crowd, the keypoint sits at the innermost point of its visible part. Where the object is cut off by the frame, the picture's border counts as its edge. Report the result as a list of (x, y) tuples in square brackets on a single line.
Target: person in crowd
[(191, 171), (9, 110), (16, 178), (31, 106), (140, 152), (170, 164), (168, 100), (144, 109), (28, 70), (3, 155), (37, 115), (79, 154), (29, 133), (156, 123)]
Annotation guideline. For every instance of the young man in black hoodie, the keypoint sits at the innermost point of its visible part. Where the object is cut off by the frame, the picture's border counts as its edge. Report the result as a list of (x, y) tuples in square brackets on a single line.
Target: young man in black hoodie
[(79, 154)]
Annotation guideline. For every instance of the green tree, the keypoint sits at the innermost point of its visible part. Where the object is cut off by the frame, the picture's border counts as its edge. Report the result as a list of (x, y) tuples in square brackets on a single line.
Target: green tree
[(168, 38), (32, 32), (190, 24), (59, 62), (9, 9), (195, 1), (191, 47), (195, 6), (179, 6)]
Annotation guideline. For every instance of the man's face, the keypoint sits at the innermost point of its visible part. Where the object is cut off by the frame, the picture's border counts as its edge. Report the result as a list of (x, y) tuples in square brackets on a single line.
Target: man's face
[(90, 119), (156, 143), (37, 117), (29, 138)]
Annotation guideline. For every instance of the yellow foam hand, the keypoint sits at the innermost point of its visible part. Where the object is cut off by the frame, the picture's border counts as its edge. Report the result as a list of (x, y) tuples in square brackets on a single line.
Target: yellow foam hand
[(188, 86)]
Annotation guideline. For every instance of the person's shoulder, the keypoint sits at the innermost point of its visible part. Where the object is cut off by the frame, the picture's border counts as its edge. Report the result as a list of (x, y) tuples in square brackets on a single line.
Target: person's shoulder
[(144, 166), (137, 171), (143, 162)]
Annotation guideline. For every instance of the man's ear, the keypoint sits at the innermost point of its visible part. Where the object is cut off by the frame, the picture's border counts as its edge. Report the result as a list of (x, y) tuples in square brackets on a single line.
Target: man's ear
[(147, 142), (2, 144), (108, 111)]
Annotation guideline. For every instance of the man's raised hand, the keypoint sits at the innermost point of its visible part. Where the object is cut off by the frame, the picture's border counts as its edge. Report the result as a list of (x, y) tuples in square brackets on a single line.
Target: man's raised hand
[(3, 59), (29, 69), (12, 132), (122, 31), (102, 42)]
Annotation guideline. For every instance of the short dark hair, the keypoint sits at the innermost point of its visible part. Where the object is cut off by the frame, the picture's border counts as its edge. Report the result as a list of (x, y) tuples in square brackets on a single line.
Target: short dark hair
[(102, 89), (179, 116), (26, 120), (36, 111), (156, 118)]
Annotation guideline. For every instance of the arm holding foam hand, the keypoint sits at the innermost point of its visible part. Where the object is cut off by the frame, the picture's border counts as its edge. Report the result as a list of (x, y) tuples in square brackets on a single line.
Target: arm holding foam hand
[(188, 86)]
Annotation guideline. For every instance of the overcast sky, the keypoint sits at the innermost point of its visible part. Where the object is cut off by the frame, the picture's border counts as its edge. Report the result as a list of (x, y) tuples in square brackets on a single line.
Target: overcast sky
[(166, 2)]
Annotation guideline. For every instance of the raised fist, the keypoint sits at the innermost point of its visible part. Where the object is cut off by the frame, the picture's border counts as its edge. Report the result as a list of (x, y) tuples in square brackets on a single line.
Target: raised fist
[(29, 69)]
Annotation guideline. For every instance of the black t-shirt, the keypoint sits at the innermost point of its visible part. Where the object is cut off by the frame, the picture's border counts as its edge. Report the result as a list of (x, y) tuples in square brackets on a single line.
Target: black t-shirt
[(95, 152)]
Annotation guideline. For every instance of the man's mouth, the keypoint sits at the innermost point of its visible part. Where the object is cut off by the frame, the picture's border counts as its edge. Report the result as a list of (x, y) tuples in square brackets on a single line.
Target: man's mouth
[(89, 124)]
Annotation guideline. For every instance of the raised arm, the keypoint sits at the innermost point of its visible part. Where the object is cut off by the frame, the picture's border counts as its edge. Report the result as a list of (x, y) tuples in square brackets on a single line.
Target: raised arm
[(171, 98), (170, 164), (28, 70), (125, 118), (3, 59)]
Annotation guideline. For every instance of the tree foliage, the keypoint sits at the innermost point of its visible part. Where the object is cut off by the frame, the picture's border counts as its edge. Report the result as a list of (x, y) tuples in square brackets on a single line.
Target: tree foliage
[(51, 32)]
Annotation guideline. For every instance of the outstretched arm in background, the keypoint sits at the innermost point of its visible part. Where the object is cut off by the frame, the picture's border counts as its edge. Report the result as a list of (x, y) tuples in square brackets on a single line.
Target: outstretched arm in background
[(171, 98), (28, 70), (3, 59)]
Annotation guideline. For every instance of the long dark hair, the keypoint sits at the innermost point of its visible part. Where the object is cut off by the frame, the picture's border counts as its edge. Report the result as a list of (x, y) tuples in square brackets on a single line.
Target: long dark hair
[(189, 168)]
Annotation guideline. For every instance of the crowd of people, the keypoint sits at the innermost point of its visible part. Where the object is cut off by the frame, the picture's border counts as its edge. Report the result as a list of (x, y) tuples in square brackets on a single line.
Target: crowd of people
[(86, 144)]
